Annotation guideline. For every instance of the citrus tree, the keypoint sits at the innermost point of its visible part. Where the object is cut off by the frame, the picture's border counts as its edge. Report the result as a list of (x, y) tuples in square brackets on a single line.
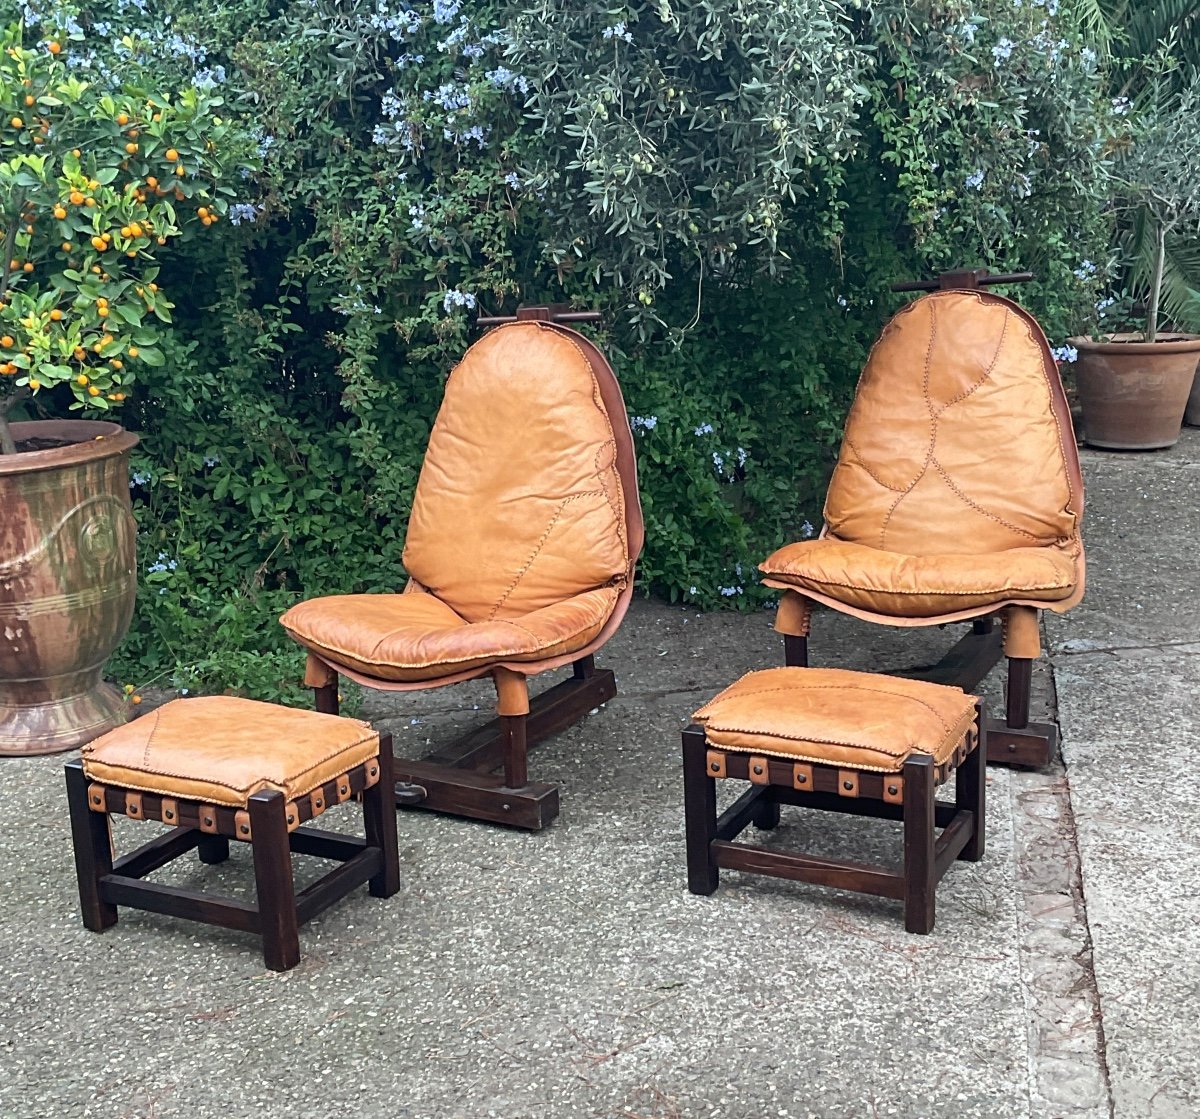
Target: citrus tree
[(94, 179)]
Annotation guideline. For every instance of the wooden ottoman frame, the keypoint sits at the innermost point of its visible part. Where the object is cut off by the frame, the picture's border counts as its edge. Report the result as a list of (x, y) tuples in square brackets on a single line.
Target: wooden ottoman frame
[(908, 796), (269, 823)]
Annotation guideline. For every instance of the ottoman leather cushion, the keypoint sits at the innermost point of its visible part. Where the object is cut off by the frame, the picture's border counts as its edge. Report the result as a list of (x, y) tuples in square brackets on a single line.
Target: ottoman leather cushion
[(833, 716), (223, 750)]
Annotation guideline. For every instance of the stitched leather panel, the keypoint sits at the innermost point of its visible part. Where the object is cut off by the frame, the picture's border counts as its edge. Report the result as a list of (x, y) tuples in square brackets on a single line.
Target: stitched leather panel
[(519, 504), (906, 586), (952, 446), (834, 716), (415, 636), (222, 750)]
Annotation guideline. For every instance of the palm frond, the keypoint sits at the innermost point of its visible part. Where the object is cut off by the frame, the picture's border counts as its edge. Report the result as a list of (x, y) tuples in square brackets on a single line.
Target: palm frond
[(1181, 273)]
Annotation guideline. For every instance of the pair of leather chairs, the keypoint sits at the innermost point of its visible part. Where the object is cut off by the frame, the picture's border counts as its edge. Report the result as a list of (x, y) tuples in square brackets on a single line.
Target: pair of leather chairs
[(957, 496)]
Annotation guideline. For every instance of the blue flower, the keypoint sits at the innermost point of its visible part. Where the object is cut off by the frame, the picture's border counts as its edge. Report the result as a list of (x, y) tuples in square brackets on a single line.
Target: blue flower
[(455, 298), (617, 31), (1002, 51), (1064, 355), (974, 180), (704, 429), (241, 212), (445, 11), (643, 423)]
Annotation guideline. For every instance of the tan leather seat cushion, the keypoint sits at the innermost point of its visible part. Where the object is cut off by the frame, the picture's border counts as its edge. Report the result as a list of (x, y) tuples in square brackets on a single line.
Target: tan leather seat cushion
[(921, 586), (836, 717), (415, 636), (223, 750), (519, 505)]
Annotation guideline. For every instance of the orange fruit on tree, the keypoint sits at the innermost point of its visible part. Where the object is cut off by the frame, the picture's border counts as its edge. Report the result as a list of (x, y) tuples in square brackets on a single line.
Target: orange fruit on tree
[(17, 122), (122, 119), (7, 341), (76, 198), (29, 99), (99, 244), (133, 351), (67, 246), (56, 315), (171, 155), (27, 266), (54, 47), (93, 391), (131, 148), (59, 212)]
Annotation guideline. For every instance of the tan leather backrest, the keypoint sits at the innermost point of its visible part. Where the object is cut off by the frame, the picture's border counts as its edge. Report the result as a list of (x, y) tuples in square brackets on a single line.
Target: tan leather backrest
[(959, 440), (519, 504)]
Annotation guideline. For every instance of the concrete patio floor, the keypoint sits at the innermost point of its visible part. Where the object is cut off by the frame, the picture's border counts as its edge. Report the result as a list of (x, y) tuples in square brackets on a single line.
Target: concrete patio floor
[(570, 974)]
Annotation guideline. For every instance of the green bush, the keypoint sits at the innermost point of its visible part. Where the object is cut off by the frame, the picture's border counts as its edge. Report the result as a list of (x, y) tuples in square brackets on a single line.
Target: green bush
[(733, 184)]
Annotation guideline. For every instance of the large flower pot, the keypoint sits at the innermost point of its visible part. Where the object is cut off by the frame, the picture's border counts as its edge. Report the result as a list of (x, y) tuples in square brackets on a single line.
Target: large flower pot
[(1133, 393), (1191, 414), (68, 574)]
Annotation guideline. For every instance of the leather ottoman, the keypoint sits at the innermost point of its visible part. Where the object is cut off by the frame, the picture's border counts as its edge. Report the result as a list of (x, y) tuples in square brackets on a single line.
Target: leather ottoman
[(843, 742), (217, 768)]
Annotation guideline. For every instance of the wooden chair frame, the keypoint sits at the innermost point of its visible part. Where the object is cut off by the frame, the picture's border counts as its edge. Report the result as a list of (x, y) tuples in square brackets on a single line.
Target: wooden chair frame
[(270, 824), (484, 774), (908, 796)]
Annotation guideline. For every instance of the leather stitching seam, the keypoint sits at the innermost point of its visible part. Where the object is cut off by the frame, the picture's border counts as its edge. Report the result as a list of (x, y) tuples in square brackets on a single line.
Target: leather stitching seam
[(979, 508)]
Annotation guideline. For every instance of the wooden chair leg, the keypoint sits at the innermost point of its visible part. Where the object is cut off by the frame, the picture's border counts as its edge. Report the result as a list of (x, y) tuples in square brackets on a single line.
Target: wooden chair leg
[(379, 822), (970, 791), (583, 668), (919, 878), (273, 878), (1020, 681), (91, 836), (516, 760), (795, 651), (699, 813), (213, 849), (325, 699)]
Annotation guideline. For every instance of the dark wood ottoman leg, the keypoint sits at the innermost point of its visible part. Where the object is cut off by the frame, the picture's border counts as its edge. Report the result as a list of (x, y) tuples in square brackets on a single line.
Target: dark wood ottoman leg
[(91, 836), (213, 849), (699, 813), (970, 790), (766, 812), (273, 879), (920, 880), (379, 821)]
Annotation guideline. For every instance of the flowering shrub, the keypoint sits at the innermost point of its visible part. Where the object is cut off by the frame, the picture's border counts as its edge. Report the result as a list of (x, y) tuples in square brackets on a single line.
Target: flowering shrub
[(96, 177), (734, 184)]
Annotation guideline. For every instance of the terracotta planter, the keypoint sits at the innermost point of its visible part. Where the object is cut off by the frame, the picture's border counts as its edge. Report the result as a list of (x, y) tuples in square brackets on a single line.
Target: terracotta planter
[(1191, 414), (1133, 393), (68, 574)]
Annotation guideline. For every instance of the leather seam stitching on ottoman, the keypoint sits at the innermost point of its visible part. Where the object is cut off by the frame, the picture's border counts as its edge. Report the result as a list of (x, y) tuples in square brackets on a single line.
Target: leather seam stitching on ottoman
[(840, 688), (235, 789)]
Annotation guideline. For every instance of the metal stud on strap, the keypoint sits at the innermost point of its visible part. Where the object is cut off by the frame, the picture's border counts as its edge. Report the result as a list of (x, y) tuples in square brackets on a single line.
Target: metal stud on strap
[(893, 789), (317, 800), (170, 811), (133, 806), (802, 777), (241, 825), (96, 798), (758, 770), (208, 819), (847, 782), (715, 763), (372, 774)]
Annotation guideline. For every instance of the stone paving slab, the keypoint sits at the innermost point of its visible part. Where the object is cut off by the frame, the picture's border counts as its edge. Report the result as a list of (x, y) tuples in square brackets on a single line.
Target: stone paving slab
[(1128, 674)]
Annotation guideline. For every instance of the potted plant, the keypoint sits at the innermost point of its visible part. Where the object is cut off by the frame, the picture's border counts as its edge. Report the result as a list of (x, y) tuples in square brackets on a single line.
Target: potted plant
[(95, 177), (1133, 386)]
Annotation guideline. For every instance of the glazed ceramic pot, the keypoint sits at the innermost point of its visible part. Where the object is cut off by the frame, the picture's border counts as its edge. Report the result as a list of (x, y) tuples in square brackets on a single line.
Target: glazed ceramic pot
[(1133, 393), (67, 582)]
